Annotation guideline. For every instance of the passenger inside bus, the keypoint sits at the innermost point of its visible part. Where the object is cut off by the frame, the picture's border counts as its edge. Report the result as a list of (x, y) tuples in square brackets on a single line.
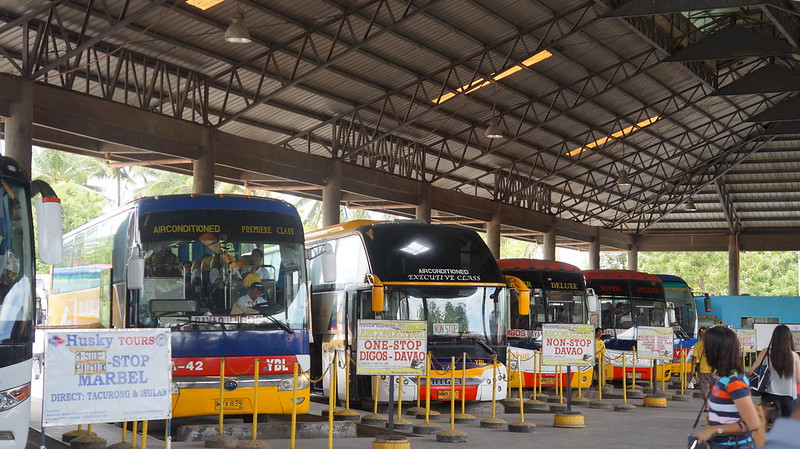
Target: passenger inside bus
[(255, 296)]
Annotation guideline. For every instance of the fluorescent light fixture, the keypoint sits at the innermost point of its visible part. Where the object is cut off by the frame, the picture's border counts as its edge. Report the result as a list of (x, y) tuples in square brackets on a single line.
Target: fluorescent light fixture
[(204, 4), (482, 82), (615, 135), (414, 248)]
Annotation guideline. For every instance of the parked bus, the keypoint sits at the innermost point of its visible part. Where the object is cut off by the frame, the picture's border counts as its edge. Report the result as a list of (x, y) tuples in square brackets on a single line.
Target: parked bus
[(682, 315), (557, 295), (628, 299), (189, 263), (17, 286), (407, 270), (680, 299)]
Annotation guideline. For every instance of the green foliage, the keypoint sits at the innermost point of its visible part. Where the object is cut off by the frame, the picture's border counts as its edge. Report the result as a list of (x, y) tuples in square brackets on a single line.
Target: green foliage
[(772, 273)]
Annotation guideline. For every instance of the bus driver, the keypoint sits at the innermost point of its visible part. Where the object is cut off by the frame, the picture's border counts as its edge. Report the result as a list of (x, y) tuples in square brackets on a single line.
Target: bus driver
[(255, 295)]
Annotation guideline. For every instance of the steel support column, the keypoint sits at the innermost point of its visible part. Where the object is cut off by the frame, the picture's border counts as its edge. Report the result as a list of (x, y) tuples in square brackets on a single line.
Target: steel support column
[(493, 232), (424, 207), (549, 249), (19, 127), (332, 195), (633, 258), (733, 264)]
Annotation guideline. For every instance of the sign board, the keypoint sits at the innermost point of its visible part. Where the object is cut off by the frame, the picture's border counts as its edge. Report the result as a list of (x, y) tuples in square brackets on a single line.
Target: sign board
[(655, 342), (764, 334), (392, 348), (568, 344), (747, 339), (106, 375)]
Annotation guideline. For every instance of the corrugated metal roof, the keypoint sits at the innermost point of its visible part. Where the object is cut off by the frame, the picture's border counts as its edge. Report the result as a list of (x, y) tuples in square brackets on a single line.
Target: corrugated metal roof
[(378, 67)]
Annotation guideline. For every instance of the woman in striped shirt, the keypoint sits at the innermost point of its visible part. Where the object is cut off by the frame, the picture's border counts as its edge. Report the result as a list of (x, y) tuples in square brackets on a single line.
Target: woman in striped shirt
[(732, 415)]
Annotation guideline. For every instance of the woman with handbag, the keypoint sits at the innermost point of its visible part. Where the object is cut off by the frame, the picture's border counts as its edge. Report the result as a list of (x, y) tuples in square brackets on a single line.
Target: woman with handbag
[(732, 416), (784, 366)]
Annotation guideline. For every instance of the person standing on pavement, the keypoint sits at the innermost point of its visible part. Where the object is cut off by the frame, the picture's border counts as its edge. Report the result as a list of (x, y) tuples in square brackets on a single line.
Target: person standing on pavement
[(705, 376), (599, 354), (784, 365), (732, 416)]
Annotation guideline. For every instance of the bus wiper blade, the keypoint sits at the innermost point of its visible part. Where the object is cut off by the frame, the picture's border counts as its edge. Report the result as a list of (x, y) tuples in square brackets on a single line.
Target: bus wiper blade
[(281, 324), (483, 345)]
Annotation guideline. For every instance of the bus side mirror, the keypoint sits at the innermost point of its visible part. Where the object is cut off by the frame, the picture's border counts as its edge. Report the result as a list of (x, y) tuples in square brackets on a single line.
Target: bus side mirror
[(378, 292), (671, 313), (50, 230), (707, 303), (591, 300), (523, 294), (328, 264), (135, 274)]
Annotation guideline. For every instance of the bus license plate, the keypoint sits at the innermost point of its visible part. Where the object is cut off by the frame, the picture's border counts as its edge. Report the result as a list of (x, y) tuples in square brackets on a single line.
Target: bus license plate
[(230, 404), (446, 394)]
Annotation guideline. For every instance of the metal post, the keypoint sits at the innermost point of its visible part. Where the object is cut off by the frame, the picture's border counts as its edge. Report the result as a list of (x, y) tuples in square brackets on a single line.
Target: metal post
[(255, 399), (293, 429), (221, 392), (391, 405)]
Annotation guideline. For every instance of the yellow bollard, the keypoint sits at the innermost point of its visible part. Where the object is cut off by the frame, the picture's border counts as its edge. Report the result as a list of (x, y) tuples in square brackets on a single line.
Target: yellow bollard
[(221, 393), (124, 430), (254, 429), (332, 401), (535, 373), (624, 407), (521, 426), (400, 423), (559, 385), (167, 434), (135, 434), (624, 380), (452, 435), (347, 414), (293, 429), (374, 418), (464, 417), (427, 427), (494, 422), (144, 434), (601, 375)]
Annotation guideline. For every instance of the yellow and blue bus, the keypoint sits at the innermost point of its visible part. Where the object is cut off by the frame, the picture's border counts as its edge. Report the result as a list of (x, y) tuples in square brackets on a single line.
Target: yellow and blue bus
[(557, 295), (186, 262), (682, 315), (17, 286), (409, 270), (628, 299)]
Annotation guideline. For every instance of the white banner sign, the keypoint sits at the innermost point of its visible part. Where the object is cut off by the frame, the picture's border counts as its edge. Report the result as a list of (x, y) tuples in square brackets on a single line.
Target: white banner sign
[(567, 344), (655, 342), (106, 375), (397, 348), (747, 339)]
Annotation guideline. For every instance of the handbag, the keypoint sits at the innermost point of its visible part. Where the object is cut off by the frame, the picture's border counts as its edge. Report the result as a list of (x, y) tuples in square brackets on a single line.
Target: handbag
[(761, 377)]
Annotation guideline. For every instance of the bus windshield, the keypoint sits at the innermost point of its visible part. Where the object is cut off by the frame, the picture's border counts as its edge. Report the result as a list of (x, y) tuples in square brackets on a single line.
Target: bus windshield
[(243, 274), (683, 300), (16, 286), (457, 312)]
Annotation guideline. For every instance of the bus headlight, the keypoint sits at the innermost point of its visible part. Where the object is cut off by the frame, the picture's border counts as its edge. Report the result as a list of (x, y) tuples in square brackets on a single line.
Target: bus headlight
[(286, 384), (512, 365), (14, 396), (175, 389)]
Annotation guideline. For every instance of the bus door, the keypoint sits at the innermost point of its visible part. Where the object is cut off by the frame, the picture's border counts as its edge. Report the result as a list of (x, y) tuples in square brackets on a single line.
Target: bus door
[(360, 308)]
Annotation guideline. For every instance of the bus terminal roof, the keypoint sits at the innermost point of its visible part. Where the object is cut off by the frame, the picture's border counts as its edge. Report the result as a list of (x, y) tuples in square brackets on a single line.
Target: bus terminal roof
[(666, 124)]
